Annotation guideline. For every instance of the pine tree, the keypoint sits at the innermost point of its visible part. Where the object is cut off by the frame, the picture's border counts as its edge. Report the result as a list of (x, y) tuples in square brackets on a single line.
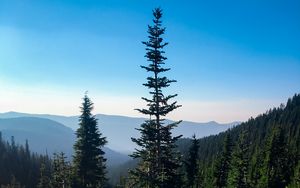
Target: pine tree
[(44, 181), (61, 175), (191, 164), (222, 165), (27, 152), (89, 161), (258, 173), (156, 146), (238, 175), (278, 168)]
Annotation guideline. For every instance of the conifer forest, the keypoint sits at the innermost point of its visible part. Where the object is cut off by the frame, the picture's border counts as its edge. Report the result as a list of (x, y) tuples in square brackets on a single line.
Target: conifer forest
[(261, 152)]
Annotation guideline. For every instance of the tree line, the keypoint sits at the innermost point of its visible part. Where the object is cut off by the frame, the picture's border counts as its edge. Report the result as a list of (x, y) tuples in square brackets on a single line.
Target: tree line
[(18, 166), (262, 152)]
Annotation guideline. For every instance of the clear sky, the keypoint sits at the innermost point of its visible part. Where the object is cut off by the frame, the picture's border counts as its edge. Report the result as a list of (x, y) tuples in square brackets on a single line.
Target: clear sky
[(232, 59)]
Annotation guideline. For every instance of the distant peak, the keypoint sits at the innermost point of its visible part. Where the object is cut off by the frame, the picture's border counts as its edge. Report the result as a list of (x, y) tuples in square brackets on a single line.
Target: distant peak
[(214, 122), (11, 112)]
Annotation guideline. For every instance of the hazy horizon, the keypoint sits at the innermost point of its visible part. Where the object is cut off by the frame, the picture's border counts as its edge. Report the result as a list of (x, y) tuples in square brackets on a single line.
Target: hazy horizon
[(231, 61), (117, 115)]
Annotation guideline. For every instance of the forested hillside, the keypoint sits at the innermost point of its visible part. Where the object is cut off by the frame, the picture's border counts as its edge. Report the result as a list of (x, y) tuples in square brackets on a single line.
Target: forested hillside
[(18, 166), (267, 148)]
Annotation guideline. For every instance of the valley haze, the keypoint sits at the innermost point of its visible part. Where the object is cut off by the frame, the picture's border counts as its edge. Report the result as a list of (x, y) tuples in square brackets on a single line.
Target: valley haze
[(117, 129)]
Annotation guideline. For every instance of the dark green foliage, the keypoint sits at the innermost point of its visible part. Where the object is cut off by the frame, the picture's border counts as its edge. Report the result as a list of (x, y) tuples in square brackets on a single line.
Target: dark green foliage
[(18, 166), (191, 164), (44, 181), (278, 160), (89, 161), (222, 164), (296, 180), (61, 175), (239, 171), (257, 169), (156, 147), (257, 138)]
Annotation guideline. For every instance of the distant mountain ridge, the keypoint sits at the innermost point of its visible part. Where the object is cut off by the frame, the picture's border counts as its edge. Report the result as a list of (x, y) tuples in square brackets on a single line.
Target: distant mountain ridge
[(48, 136), (43, 134), (120, 129)]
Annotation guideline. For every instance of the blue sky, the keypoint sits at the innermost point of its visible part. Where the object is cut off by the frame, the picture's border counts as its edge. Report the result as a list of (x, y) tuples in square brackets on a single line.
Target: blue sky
[(232, 59)]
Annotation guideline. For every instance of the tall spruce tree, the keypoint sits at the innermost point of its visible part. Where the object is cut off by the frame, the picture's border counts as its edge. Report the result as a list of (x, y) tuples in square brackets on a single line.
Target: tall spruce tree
[(191, 164), (159, 160), (222, 165), (89, 161)]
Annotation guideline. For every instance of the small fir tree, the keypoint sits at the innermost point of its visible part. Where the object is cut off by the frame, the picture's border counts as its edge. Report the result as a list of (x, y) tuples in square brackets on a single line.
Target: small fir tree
[(89, 161), (191, 164), (278, 164), (44, 181), (238, 175), (61, 175), (222, 165)]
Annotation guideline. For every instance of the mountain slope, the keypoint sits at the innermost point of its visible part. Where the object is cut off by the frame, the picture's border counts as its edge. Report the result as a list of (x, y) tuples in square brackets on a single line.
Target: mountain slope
[(260, 131), (43, 134), (49, 136), (120, 129)]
